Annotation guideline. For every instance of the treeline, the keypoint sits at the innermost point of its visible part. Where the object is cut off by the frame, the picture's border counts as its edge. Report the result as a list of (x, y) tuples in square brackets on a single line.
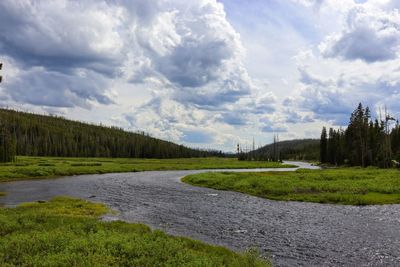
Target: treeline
[(7, 145), (300, 149), (365, 142), (29, 134)]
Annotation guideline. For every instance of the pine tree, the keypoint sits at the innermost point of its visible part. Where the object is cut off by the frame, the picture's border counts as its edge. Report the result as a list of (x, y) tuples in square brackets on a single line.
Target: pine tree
[(323, 146), (7, 145), (38, 135), (364, 142)]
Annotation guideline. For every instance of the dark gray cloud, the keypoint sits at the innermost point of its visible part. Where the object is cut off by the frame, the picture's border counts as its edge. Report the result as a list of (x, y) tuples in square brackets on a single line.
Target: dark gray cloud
[(65, 52), (59, 37), (364, 43), (40, 87), (194, 63), (212, 98)]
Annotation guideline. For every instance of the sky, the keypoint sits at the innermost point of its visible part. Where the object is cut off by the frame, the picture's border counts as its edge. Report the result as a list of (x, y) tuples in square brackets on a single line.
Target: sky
[(203, 73)]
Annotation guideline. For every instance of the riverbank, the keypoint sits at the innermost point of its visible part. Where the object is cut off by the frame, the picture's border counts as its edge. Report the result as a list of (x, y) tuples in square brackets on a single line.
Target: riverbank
[(67, 232), (26, 168), (348, 186), (287, 232)]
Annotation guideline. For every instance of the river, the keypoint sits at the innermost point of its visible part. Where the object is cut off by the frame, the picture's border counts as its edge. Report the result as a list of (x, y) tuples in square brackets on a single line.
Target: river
[(289, 233)]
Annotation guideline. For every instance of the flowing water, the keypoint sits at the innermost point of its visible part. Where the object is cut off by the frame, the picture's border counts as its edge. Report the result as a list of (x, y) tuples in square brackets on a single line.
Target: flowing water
[(289, 233)]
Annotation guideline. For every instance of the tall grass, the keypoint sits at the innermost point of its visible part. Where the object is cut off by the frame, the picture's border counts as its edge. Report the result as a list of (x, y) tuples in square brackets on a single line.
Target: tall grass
[(67, 232), (48, 167), (350, 186)]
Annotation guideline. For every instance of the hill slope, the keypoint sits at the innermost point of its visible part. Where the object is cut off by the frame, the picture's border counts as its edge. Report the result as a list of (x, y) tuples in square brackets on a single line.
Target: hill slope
[(299, 149), (40, 135)]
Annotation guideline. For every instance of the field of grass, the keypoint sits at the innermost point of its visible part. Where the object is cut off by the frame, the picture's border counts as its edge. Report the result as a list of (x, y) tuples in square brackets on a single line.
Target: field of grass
[(349, 186), (49, 167), (67, 232)]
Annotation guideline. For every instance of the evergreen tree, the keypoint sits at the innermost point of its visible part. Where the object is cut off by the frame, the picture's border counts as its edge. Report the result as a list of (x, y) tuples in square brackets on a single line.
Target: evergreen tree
[(7, 145), (323, 146), (364, 142), (38, 135)]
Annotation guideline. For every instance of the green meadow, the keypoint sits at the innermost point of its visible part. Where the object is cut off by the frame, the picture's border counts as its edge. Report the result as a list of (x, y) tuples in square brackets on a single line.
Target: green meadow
[(68, 232), (50, 167), (349, 186)]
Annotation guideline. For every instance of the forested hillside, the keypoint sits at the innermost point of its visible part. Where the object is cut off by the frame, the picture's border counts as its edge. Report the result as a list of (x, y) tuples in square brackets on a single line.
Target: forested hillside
[(301, 149), (38, 135), (365, 142)]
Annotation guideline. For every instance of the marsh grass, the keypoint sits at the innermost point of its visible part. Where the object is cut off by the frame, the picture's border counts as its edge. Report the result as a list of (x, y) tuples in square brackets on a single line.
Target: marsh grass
[(349, 186), (67, 232), (49, 167)]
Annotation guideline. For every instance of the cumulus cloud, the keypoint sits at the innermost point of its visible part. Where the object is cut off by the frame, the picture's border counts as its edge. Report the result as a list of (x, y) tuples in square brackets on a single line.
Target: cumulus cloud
[(293, 116), (38, 86), (358, 63), (333, 97), (61, 34), (65, 52), (370, 34), (197, 53), (178, 70), (70, 52), (274, 123), (196, 57)]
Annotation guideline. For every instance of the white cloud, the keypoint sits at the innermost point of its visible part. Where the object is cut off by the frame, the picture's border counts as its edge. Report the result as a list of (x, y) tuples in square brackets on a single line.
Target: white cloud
[(179, 69), (357, 61), (371, 35), (59, 34), (69, 54)]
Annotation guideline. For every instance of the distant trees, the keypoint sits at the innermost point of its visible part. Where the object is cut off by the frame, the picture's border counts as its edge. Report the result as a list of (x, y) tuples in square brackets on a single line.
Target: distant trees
[(7, 145), (363, 143), (38, 135), (324, 146), (301, 149), (7, 141), (395, 137)]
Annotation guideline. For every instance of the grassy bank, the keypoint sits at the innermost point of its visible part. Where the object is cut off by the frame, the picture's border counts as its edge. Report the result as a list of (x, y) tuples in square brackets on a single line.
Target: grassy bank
[(350, 186), (48, 167), (67, 232)]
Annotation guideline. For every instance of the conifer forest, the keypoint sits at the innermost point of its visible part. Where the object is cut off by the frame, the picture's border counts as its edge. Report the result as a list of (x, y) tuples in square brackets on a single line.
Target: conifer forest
[(27, 134), (365, 142)]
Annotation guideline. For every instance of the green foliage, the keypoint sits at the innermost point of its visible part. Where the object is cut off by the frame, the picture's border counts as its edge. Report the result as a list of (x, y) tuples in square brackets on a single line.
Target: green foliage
[(48, 167), (364, 143), (350, 186), (7, 145), (302, 149), (66, 232), (38, 135), (395, 141), (323, 146)]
